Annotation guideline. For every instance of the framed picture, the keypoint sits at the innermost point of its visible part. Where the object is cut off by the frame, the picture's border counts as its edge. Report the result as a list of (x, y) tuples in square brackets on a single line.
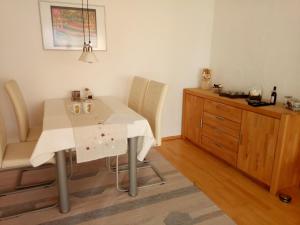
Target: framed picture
[(62, 25)]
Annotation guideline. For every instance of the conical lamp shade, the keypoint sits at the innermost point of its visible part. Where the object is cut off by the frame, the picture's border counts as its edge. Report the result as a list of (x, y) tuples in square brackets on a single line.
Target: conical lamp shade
[(88, 57), (82, 57)]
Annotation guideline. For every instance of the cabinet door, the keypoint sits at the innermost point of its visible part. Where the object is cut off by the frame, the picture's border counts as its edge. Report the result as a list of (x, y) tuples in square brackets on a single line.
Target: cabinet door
[(257, 145), (193, 118)]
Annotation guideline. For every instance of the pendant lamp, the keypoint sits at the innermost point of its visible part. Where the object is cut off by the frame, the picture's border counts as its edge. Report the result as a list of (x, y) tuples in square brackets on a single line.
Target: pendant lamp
[(87, 51)]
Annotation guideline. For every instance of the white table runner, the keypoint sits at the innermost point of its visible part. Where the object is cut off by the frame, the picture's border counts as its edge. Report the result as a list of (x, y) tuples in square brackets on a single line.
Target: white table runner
[(93, 138), (100, 141), (58, 132)]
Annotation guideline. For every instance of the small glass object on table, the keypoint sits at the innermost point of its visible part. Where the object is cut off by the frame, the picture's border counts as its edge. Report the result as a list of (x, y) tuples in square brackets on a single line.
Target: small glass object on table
[(75, 95), (87, 106), (287, 99), (76, 107), (88, 93)]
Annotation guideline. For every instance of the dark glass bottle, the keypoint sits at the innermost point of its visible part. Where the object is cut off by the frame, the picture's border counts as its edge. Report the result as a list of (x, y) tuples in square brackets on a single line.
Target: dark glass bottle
[(273, 96)]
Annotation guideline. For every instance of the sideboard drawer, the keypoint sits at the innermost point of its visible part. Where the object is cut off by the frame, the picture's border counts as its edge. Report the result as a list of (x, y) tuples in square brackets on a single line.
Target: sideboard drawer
[(219, 150), (223, 111), (228, 126), (229, 142)]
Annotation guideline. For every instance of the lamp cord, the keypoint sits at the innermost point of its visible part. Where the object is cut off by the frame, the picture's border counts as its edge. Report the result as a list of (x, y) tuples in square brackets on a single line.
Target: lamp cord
[(82, 16), (88, 14)]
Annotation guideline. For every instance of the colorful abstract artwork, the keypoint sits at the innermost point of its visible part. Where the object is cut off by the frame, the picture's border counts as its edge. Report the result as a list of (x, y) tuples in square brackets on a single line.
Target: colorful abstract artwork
[(62, 25), (67, 26)]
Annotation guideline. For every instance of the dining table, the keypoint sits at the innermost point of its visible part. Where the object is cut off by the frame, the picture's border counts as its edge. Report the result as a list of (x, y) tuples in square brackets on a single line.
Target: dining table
[(63, 130)]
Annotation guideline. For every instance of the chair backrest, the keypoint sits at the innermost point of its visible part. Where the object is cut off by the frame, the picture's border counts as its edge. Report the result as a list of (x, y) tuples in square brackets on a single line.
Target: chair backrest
[(3, 139), (152, 107), (20, 108), (137, 93)]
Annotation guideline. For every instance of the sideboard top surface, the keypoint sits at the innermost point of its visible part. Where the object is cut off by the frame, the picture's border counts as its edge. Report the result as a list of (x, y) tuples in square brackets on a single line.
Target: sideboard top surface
[(275, 111)]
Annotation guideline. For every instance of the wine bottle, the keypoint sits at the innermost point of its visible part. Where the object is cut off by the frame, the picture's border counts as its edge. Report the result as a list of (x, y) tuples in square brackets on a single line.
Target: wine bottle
[(273, 96)]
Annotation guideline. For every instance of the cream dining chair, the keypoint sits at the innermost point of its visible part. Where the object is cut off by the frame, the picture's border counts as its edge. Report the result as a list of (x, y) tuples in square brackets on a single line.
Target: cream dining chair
[(137, 93), (16, 156), (25, 132), (152, 110), (153, 105), (135, 102)]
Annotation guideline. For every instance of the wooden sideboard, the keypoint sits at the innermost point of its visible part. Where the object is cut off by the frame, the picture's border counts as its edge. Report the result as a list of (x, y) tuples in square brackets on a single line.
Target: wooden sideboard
[(263, 142)]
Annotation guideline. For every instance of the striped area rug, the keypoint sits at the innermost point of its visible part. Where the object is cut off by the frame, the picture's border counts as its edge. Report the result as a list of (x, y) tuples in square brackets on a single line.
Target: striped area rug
[(95, 201)]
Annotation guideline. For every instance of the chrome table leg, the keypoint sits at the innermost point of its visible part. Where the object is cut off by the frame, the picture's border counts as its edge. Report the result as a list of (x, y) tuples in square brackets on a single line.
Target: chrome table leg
[(132, 154), (62, 181)]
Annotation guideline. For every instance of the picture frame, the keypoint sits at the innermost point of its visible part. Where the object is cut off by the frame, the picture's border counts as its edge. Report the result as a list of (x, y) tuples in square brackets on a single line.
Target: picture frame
[(62, 28)]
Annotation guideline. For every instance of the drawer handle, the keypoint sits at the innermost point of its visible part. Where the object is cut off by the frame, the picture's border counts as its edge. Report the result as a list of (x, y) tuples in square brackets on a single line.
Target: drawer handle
[(201, 123), (220, 117), (219, 145)]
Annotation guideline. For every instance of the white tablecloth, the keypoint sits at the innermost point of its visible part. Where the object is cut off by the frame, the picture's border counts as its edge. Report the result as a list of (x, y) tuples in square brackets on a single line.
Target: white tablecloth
[(58, 132)]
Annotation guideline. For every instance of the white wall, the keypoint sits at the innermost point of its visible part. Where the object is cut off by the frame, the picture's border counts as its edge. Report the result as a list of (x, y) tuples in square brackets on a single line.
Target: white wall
[(164, 40), (257, 42)]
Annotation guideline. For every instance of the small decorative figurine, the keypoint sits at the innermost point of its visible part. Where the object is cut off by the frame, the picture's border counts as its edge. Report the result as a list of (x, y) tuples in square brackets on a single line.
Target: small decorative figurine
[(206, 79)]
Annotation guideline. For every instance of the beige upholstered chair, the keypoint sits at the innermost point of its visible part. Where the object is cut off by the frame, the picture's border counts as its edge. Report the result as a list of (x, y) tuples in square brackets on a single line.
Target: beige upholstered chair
[(25, 132), (151, 109), (137, 93), (17, 156)]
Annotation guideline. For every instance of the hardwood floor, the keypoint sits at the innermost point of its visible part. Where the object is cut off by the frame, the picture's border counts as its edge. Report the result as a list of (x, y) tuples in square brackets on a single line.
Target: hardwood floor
[(244, 200)]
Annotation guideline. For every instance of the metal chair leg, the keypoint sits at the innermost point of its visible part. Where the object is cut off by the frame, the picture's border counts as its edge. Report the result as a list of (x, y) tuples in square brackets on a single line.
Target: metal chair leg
[(54, 205), (28, 188), (124, 167), (162, 179), (142, 165), (22, 188), (108, 164), (19, 184), (71, 164), (117, 176)]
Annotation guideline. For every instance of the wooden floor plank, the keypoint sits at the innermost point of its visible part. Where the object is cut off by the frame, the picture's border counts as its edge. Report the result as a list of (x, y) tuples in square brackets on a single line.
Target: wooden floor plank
[(244, 200)]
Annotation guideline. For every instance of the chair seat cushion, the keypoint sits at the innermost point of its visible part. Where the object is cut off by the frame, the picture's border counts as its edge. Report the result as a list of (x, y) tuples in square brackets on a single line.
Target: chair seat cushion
[(18, 155), (34, 133)]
